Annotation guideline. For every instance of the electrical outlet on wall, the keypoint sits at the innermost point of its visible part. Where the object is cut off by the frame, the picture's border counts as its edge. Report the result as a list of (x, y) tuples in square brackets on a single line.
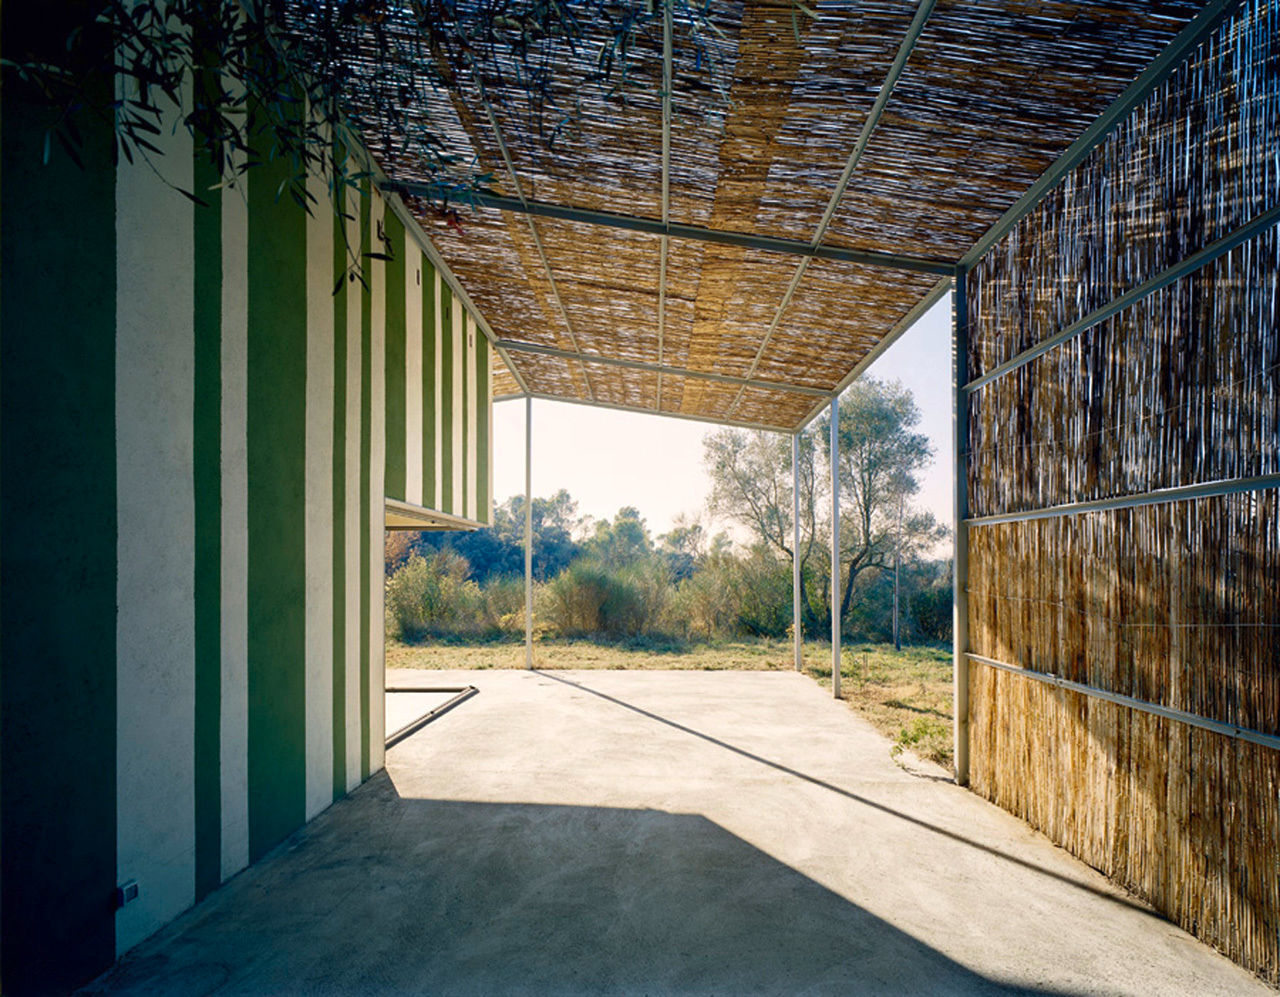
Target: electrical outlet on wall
[(126, 892)]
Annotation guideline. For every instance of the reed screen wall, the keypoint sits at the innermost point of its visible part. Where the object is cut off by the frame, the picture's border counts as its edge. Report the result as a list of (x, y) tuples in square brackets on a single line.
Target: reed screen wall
[(1124, 340)]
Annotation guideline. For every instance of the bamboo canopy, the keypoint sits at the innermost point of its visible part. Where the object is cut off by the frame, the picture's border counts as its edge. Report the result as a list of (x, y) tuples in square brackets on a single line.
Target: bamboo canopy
[(879, 126)]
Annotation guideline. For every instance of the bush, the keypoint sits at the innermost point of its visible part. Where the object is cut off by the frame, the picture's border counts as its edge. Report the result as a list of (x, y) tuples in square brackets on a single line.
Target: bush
[(589, 598), (504, 605), (931, 608), (433, 595)]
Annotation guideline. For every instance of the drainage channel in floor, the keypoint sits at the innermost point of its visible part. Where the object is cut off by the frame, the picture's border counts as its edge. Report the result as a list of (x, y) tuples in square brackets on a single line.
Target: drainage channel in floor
[(410, 708)]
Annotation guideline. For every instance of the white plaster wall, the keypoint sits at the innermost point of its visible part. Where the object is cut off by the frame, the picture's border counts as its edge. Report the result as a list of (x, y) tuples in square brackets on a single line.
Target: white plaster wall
[(436, 500), (473, 419), (318, 516), (414, 275), (377, 503), (234, 724), (459, 411), (155, 637), (352, 531)]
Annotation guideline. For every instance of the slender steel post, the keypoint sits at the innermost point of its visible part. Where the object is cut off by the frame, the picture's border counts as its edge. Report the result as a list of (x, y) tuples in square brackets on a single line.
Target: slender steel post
[(796, 626), (528, 531), (835, 546), (960, 561), (897, 584)]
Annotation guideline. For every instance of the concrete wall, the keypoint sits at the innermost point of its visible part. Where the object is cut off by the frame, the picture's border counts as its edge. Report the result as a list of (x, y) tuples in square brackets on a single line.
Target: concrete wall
[(198, 436)]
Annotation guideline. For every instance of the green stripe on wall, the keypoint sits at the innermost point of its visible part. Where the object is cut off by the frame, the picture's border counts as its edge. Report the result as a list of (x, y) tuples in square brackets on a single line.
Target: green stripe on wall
[(58, 614), (482, 429), (445, 375), (340, 505), (397, 359), (277, 378), (467, 427), (430, 376), (207, 472), (366, 462)]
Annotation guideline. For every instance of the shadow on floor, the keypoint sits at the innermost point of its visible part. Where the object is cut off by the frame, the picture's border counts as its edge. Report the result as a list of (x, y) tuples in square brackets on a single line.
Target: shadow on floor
[(390, 895), (1110, 896)]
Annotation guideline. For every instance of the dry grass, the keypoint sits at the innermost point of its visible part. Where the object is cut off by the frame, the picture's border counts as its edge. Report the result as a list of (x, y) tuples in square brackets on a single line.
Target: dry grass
[(905, 694)]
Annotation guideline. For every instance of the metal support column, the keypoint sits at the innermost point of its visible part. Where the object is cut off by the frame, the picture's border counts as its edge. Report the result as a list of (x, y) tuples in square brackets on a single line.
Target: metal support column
[(796, 625), (528, 531), (835, 546), (960, 512)]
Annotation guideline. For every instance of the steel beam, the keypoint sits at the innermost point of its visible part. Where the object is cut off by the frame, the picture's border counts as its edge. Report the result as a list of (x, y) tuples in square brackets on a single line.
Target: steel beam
[(1155, 709), (695, 233), (797, 626), (1131, 297), (914, 30), (888, 339), (533, 231), (1206, 489), (515, 346), (528, 531), (835, 547), (1201, 27), (665, 241), (638, 410), (960, 526)]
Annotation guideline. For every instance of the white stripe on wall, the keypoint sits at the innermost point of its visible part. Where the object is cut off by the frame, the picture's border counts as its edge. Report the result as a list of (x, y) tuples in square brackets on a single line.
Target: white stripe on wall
[(437, 368), (377, 502), (318, 525), (459, 413), (473, 420), (155, 581), (352, 531), (486, 514), (415, 267), (234, 736)]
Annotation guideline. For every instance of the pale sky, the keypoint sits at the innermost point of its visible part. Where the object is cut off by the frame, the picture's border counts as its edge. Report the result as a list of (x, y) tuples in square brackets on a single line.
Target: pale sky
[(608, 459)]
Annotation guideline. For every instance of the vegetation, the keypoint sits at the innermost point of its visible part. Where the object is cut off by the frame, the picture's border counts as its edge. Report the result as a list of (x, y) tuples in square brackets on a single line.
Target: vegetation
[(608, 594), (905, 694)]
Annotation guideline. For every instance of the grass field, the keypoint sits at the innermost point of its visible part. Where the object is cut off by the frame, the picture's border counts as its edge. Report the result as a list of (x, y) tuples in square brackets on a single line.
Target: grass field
[(906, 694)]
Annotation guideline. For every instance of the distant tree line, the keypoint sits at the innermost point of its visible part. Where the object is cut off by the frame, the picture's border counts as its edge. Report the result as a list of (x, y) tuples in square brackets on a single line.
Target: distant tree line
[(612, 579)]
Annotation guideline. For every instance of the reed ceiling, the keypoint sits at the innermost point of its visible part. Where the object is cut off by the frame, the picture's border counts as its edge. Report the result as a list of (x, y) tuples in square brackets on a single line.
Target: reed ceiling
[(764, 122)]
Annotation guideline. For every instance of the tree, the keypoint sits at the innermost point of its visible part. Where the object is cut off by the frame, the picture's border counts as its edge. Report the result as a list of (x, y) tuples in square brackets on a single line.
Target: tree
[(752, 486), (623, 542), (878, 459), (880, 455)]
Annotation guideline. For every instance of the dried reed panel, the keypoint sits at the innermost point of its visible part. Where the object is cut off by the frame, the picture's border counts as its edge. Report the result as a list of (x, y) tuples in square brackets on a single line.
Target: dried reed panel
[(977, 115), (615, 310), (838, 314), (1180, 388), (1193, 163), (1177, 604), (1185, 818)]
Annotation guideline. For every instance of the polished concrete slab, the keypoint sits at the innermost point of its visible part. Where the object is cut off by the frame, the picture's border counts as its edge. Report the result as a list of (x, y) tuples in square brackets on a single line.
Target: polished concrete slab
[(604, 832)]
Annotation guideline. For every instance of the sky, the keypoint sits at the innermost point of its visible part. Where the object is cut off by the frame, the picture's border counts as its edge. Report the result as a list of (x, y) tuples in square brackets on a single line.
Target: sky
[(608, 459)]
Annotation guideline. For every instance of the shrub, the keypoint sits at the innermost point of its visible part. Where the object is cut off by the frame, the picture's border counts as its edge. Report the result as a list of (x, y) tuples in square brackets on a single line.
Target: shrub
[(591, 598), (433, 595), (932, 610)]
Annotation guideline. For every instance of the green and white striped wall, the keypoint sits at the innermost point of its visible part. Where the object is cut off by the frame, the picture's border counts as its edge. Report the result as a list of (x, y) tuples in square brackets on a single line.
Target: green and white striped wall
[(197, 439)]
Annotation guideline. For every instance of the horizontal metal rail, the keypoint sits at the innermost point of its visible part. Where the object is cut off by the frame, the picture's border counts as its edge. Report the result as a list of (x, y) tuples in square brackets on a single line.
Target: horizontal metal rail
[(638, 410), (934, 295), (1142, 705), (464, 692), (674, 230), (1207, 489), (1200, 28), (1131, 297), (515, 346)]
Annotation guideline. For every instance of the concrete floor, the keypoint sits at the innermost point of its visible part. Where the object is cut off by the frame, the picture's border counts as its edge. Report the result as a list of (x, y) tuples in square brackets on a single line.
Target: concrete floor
[(665, 832)]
